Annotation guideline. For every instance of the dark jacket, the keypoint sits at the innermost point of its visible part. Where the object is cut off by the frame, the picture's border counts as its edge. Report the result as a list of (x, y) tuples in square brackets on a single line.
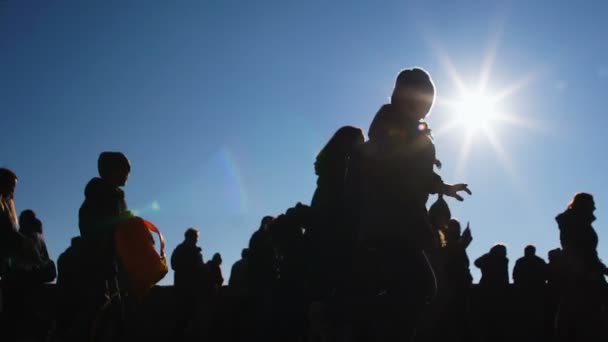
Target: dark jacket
[(456, 267), (494, 271), (187, 262), (530, 273), (101, 209), (239, 277), (388, 184), (103, 206), (579, 242)]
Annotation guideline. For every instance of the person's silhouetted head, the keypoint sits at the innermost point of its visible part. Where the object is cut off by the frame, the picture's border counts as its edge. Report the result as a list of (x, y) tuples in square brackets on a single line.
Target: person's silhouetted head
[(337, 149), (27, 217), (583, 205), (265, 224), (453, 231), (530, 251), (414, 93), (244, 253), (554, 255), (8, 183), (439, 213), (114, 167), (499, 250), (191, 236), (217, 259)]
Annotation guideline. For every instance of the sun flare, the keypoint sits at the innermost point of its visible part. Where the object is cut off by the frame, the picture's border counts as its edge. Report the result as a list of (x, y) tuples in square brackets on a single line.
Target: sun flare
[(476, 111)]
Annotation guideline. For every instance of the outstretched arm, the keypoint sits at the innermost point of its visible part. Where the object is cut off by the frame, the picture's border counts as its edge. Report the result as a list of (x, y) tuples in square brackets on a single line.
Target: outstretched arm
[(453, 190)]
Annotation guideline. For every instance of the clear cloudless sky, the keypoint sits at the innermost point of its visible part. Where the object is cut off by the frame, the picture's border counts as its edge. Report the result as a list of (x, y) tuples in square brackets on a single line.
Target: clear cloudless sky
[(221, 106)]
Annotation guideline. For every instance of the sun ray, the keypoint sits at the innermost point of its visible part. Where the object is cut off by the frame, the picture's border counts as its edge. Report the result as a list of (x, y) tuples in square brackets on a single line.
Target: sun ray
[(516, 121), (502, 155), (465, 150), (445, 128), (488, 63), (514, 87), (447, 64)]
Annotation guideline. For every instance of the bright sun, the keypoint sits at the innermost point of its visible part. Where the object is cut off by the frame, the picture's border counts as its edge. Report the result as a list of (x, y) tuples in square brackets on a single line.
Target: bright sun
[(476, 112)]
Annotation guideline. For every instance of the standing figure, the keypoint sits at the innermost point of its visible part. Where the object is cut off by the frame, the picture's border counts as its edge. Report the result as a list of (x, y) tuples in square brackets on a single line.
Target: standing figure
[(458, 280), (188, 282), (239, 277), (103, 208), (389, 180), (493, 294), (329, 238), (215, 272), (530, 278), (13, 247), (583, 298)]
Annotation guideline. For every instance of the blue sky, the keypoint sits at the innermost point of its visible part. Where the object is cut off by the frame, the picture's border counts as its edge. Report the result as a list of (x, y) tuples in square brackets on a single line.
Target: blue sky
[(221, 106)]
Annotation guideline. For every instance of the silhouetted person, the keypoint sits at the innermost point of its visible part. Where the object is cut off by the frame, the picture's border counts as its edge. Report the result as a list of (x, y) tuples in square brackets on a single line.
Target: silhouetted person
[(458, 273), (556, 281), (494, 268), (103, 207), (439, 215), (330, 239), (43, 269), (455, 283), (14, 248), (241, 301), (262, 263), (290, 297), (530, 271), (239, 277), (389, 181), (70, 289), (12, 243), (493, 292), (215, 272), (262, 277), (555, 268), (529, 277), (584, 292), (190, 281)]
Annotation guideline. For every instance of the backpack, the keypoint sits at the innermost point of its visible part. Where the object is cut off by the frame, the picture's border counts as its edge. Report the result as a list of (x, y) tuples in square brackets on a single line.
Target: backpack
[(135, 249)]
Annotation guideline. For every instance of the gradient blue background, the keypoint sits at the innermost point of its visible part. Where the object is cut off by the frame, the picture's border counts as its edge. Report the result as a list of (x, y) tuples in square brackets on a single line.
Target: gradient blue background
[(221, 106)]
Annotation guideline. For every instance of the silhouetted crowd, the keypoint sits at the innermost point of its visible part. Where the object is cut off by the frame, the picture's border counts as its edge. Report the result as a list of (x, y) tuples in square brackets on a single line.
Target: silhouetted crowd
[(365, 261)]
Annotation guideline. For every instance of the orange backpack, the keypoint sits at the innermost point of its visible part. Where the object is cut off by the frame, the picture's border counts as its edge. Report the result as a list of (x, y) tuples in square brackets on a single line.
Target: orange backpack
[(135, 248)]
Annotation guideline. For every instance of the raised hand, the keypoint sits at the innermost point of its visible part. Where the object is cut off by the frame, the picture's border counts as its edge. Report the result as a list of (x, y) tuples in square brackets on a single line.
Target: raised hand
[(452, 190)]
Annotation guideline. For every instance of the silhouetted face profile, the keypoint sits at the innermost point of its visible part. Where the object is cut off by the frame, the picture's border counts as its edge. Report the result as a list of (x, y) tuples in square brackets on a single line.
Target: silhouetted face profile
[(414, 93), (217, 259), (114, 167), (8, 183)]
